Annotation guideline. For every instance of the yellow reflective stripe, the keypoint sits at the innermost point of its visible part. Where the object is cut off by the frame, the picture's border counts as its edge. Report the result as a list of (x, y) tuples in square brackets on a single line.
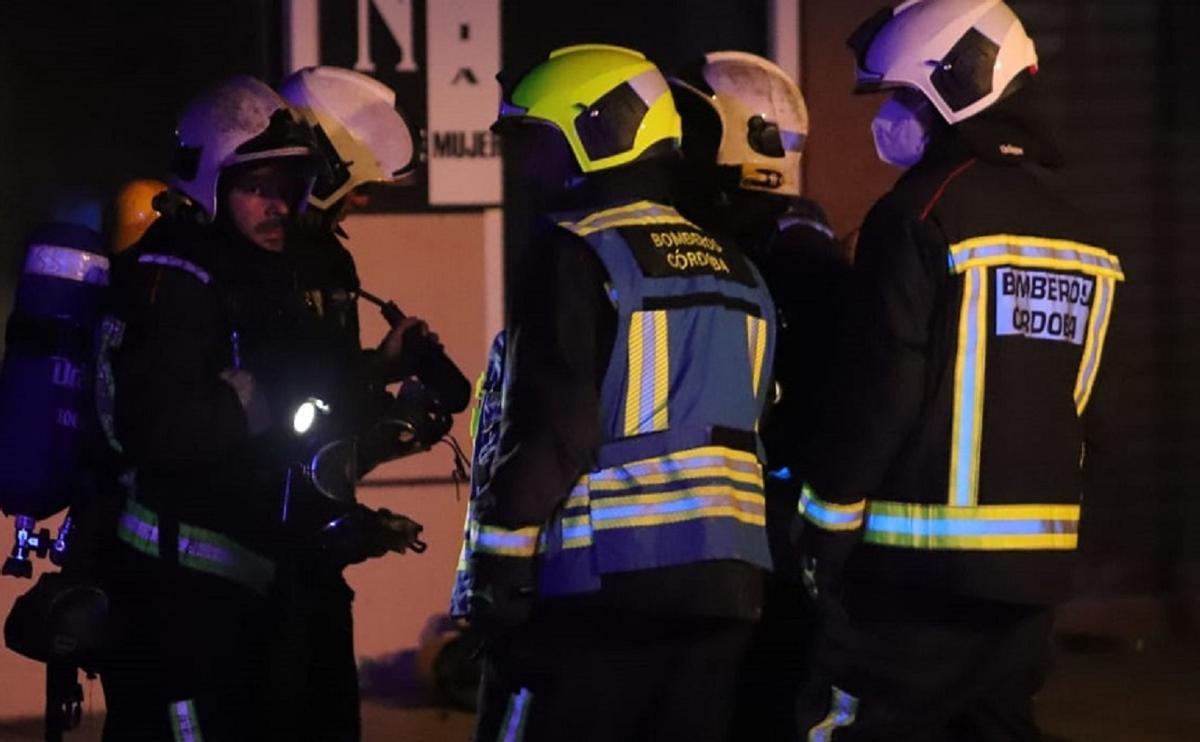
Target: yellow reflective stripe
[(477, 409), (649, 374), (756, 336), (678, 464), (679, 475), (828, 515), (1034, 252), (970, 369), (635, 221), (1093, 349), (843, 710), (1036, 262), (662, 371), (606, 213), (633, 391), (983, 527), (640, 213), (1048, 243), (520, 542), (707, 490)]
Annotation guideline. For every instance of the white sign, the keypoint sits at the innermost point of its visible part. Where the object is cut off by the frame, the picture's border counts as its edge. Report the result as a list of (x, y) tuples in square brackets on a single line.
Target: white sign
[(1043, 306), (463, 57)]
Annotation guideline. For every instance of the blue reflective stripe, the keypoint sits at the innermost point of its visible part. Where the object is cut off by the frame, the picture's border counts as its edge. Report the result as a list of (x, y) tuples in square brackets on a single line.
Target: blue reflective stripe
[(843, 710), (830, 516), (601, 512), (983, 527), (185, 724), (970, 368), (494, 540), (966, 526), (1055, 254), (1094, 345), (512, 729)]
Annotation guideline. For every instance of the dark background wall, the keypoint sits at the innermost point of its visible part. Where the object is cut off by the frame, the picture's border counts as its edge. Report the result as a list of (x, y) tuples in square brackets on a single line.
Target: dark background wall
[(89, 93)]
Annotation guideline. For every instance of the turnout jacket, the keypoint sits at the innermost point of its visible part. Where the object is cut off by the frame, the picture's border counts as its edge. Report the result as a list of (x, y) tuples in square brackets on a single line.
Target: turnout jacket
[(628, 469), (981, 305), (195, 300)]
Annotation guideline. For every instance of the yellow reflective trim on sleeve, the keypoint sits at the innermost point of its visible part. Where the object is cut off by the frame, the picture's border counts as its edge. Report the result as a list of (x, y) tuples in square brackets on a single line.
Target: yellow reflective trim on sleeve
[(521, 542), (607, 213), (830, 516), (1093, 349), (982, 528)]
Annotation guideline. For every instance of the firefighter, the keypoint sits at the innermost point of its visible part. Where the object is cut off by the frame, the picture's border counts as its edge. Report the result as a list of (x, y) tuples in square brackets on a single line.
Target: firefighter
[(236, 408), (619, 544), (362, 139), (745, 124), (941, 534)]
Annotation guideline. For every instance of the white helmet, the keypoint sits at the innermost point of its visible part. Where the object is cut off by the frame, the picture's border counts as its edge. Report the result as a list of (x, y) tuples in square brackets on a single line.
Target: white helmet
[(761, 115), (358, 129), (240, 120), (961, 54)]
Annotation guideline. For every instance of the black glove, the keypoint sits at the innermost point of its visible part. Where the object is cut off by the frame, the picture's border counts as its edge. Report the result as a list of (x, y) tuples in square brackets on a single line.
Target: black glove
[(361, 534), (504, 594), (823, 556)]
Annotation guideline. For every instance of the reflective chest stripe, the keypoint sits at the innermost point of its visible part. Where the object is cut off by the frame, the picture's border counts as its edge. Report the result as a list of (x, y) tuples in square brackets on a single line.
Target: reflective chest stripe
[(974, 259), (649, 374), (171, 261), (199, 549), (984, 527)]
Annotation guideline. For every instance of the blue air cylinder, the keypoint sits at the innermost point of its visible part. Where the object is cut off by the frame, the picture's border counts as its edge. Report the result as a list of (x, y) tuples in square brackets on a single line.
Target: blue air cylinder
[(47, 408)]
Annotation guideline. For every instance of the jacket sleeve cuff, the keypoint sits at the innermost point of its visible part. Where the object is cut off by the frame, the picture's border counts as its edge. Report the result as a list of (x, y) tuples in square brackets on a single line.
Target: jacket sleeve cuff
[(831, 516)]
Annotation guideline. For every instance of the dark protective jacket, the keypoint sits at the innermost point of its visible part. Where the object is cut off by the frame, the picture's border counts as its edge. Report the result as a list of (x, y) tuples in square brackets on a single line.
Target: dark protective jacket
[(555, 429), (980, 309), (196, 301)]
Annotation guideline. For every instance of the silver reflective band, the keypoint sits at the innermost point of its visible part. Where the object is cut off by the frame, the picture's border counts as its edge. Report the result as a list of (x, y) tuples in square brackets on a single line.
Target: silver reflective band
[(170, 261), (67, 263)]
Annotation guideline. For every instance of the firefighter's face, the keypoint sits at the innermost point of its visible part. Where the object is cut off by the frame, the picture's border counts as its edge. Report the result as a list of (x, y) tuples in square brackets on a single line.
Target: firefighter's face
[(261, 201)]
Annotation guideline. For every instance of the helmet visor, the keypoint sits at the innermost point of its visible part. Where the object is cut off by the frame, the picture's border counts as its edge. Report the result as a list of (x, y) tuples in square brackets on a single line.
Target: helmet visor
[(868, 80)]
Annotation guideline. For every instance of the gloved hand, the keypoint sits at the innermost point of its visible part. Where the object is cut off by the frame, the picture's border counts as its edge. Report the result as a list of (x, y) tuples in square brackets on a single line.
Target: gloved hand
[(504, 594), (823, 555), (399, 351), (360, 534)]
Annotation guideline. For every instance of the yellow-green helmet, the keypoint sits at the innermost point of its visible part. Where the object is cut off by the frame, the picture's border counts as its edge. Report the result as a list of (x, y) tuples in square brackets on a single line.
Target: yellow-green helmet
[(611, 104)]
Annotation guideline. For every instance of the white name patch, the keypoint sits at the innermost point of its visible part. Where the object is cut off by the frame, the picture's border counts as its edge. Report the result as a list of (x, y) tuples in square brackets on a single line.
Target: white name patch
[(1043, 306)]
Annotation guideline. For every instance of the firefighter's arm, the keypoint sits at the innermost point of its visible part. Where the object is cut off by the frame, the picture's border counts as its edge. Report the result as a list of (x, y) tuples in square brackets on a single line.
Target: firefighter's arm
[(172, 404), (549, 427), (880, 372)]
